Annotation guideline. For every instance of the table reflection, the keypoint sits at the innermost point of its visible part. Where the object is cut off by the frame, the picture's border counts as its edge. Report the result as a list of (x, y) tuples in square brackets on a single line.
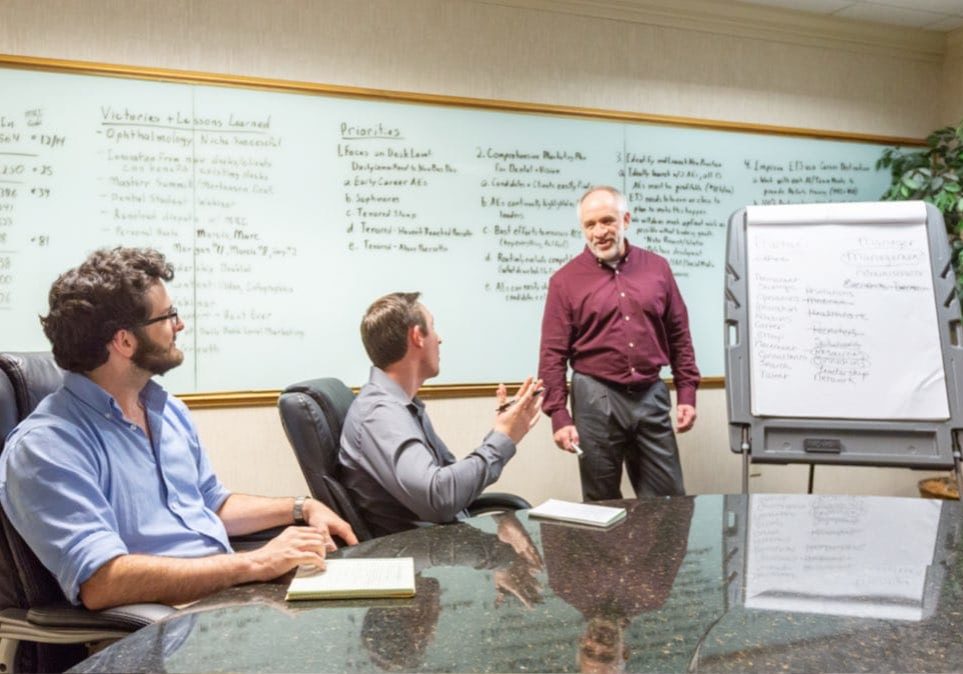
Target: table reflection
[(398, 637), (612, 576), (708, 583), (841, 555)]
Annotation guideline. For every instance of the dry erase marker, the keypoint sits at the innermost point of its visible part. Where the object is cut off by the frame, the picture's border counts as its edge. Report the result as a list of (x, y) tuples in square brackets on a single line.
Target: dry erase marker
[(578, 450), (508, 403)]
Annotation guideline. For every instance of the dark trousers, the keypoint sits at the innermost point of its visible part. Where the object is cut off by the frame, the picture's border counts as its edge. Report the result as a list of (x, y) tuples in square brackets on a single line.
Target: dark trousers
[(619, 425)]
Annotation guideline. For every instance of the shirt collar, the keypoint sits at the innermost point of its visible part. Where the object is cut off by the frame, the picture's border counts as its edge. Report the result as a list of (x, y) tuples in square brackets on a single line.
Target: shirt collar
[(391, 388), (90, 393)]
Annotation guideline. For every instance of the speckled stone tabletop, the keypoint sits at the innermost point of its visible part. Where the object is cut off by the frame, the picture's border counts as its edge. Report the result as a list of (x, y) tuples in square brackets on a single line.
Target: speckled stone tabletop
[(766, 583)]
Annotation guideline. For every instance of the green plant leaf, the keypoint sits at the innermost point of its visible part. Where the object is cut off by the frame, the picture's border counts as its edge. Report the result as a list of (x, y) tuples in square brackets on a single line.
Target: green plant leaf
[(912, 180), (932, 174)]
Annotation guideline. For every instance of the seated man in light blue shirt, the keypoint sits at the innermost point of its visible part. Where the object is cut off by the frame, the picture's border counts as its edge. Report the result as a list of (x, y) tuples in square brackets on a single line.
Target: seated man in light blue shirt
[(107, 480), (398, 470)]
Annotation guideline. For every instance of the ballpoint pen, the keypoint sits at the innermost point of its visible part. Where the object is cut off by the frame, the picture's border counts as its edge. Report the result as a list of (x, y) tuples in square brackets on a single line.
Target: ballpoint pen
[(508, 403)]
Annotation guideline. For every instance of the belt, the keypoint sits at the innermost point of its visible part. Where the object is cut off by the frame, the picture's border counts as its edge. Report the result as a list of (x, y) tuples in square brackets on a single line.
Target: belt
[(631, 389)]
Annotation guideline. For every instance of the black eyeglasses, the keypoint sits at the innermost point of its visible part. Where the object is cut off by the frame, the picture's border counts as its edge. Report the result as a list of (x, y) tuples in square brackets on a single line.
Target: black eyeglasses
[(169, 316)]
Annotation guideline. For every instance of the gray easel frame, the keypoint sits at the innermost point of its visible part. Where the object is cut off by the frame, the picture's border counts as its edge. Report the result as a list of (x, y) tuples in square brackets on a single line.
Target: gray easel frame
[(925, 445)]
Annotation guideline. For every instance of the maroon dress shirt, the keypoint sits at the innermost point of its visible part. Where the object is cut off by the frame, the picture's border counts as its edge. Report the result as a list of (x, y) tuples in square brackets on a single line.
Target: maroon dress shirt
[(620, 325)]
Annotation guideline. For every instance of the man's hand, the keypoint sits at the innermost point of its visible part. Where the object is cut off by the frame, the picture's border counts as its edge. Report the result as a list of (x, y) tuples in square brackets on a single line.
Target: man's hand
[(520, 414), (520, 580), (323, 518), (511, 531), (565, 437), (134, 578), (685, 418), (294, 546)]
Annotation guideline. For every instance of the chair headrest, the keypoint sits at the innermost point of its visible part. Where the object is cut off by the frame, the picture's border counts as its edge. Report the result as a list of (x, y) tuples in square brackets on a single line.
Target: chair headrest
[(331, 395), (25, 380)]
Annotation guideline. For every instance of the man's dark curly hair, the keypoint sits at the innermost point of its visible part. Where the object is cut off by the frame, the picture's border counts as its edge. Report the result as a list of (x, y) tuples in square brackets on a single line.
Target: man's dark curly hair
[(89, 304)]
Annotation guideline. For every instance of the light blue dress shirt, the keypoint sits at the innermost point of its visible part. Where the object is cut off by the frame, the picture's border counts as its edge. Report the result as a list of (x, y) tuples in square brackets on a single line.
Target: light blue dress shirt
[(83, 485)]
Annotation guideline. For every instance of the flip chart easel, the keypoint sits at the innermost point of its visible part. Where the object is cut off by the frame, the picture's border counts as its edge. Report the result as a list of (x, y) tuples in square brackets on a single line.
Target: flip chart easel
[(842, 337)]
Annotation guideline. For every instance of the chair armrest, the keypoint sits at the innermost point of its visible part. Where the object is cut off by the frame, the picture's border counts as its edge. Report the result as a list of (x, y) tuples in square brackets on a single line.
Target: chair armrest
[(128, 618), (497, 502)]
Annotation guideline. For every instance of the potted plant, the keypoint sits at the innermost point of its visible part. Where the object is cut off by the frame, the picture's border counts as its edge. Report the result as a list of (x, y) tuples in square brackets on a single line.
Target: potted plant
[(932, 174)]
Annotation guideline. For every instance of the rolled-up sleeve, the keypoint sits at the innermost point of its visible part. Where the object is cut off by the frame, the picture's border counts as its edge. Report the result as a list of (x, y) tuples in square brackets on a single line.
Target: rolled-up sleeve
[(55, 502)]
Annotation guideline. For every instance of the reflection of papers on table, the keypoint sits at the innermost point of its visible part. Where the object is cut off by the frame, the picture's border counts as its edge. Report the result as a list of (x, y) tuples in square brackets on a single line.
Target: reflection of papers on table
[(355, 578), (840, 555)]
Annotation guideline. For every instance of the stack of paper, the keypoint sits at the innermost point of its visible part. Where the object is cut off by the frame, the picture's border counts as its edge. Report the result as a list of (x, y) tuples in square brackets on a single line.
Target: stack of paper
[(579, 513), (355, 578)]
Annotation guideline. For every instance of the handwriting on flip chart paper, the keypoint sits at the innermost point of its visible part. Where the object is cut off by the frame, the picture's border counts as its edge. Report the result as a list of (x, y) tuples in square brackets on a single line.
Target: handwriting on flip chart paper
[(842, 321)]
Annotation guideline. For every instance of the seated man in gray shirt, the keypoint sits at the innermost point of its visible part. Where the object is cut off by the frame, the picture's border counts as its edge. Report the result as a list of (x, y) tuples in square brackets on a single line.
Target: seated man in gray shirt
[(398, 470)]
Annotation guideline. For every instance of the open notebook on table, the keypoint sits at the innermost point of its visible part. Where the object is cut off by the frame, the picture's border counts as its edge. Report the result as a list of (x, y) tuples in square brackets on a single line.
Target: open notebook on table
[(354, 579)]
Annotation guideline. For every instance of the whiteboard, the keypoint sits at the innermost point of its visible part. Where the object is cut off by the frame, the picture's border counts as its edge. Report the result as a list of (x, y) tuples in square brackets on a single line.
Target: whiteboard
[(842, 313), (285, 214)]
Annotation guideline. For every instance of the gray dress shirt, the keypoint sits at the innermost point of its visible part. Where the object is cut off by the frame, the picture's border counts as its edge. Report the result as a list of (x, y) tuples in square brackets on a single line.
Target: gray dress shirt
[(399, 472)]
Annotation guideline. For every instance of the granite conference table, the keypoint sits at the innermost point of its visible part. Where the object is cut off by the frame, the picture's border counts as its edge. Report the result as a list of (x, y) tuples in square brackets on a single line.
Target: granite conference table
[(709, 583)]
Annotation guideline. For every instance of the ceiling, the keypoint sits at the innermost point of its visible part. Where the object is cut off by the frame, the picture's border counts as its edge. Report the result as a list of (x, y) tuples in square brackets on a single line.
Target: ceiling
[(940, 15)]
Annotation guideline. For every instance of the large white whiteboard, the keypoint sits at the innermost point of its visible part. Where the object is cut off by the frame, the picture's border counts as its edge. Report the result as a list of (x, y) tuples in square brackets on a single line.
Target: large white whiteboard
[(842, 313), (286, 214)]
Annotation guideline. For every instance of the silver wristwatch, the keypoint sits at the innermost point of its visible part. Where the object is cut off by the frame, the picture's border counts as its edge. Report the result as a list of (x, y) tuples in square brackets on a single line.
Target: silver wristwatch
[(299, 510)]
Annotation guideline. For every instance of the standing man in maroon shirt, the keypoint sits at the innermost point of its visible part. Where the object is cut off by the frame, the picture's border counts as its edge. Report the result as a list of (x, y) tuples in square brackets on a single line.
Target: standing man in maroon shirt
[(614, 313)]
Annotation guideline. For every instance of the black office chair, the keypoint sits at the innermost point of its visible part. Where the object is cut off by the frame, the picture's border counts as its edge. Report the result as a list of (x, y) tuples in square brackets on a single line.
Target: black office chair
[(39, 629), (312, 414)]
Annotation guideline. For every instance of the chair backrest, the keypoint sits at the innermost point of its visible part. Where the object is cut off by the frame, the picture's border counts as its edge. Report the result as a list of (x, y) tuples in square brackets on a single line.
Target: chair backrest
[(312, 414), (25, 380), (55, 638)]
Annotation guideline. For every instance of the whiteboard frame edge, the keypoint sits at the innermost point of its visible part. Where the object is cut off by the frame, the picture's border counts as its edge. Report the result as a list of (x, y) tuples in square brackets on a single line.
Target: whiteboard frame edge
[(319, 89)]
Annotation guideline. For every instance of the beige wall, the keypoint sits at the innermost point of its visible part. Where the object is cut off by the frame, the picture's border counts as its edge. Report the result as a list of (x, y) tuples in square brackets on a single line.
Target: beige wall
[(693, 58), (951, 94)]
